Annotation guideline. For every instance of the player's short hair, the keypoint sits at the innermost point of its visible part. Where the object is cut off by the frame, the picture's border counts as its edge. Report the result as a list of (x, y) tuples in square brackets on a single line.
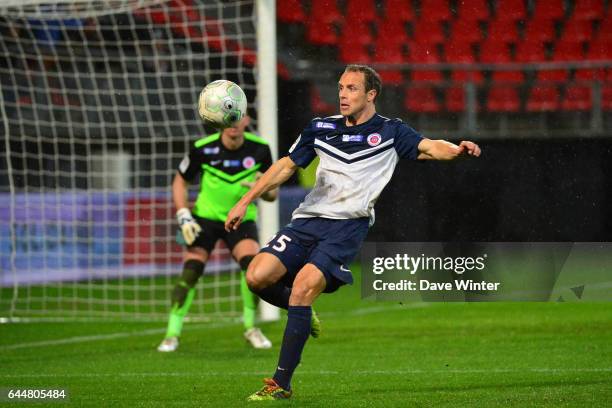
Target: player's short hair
[(372, 79)]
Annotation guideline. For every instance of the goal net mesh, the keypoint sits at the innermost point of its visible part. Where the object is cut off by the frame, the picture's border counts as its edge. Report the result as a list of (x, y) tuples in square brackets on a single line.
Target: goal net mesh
[(98, 106)]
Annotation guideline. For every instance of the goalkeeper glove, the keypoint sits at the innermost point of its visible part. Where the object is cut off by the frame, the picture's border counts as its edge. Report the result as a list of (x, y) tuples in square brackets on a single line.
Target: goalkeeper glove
[(189, 227)]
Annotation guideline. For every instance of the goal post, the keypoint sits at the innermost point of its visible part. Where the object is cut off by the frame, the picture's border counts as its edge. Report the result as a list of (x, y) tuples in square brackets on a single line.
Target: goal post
[(267, 105), (98, 107)]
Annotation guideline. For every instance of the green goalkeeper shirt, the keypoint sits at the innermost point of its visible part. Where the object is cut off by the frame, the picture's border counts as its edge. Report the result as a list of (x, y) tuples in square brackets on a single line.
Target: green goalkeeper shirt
[(222, 172)]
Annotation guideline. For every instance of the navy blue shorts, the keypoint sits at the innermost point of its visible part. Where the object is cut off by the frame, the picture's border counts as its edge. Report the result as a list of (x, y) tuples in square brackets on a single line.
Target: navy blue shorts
[(330, 245)]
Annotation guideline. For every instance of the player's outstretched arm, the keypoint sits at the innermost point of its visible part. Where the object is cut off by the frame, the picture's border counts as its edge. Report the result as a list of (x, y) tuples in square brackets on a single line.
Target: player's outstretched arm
[(269, 195), (276, 175), (443, 150)]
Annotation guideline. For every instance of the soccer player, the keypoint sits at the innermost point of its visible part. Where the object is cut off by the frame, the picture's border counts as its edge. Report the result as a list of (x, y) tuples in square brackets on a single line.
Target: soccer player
[(358, 151), (228, 164)]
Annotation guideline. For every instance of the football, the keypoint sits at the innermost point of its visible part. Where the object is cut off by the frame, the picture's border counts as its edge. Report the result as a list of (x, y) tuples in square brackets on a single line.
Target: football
[(222, 103)]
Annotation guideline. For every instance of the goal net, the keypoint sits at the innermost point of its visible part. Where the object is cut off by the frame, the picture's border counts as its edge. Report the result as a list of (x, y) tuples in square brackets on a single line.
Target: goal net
[(98, 106)]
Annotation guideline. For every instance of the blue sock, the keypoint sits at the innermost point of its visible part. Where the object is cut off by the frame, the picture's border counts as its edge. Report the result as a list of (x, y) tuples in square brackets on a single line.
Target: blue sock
[(276, 294), (296, 334)]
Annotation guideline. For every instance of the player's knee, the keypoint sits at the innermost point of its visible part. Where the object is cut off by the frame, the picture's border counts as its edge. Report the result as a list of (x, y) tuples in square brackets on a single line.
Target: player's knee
[(253, 282), (256, 276), (302, 295), (192, 270)]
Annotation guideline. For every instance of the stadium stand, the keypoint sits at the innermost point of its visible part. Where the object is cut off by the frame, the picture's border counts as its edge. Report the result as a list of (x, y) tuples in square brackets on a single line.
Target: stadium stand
[(464, 32)]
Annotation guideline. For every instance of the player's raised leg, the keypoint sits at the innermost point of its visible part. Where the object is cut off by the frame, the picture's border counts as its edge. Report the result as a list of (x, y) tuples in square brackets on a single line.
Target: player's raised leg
[(182, 296), (263, 278), (308, 285), (265, 273), (244, 252)]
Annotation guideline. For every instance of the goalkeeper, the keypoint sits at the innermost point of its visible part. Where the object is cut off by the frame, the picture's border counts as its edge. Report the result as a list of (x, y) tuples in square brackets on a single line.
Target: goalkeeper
[(228, 164)]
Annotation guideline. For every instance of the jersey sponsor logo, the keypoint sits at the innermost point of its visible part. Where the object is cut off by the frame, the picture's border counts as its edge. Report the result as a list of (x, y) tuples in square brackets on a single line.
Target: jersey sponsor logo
[(232, 163), (215, 162), (352, 138), (184, 164), (325, 125), (211, 150), (330, 137), (248, 162), (343, 269), (374, 139)]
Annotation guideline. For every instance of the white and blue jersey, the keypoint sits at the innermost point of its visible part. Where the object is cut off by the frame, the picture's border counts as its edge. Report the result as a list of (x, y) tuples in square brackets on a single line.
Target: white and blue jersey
[(356, 163)]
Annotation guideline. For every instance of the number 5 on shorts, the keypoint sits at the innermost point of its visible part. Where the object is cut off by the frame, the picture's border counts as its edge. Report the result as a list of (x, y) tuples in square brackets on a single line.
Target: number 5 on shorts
[(280, 243)]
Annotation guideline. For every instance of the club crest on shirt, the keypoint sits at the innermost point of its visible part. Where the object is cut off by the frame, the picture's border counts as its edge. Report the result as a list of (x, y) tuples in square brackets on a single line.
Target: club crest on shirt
[(248, 162), (374, 139)]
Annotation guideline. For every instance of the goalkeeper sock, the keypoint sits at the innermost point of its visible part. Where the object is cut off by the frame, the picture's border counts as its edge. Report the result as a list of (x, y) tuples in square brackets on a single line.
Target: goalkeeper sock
[(178, 312), (249, 303), (276, 294), (182, 296), (296, 334)]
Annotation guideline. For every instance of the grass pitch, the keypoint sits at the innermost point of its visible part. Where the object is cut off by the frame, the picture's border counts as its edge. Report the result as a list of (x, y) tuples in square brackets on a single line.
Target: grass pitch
[(369, 354)]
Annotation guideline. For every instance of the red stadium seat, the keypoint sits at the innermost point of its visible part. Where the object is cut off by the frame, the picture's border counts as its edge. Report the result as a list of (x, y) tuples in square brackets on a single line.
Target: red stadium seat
[(503, 98), (577, 30), (493, 53), (435, 10), (540, 30), (476, 10), (350, 53), (423, 54), (360, 12), (428, 32), (391, 76), (321, 34), (389, 53), (290, 11), (421, 100), (392, 32), (605, 28), (356, 34), (530, 52), (501, 30), (430, 75), (588, 10), (606, 97), (543, 98), (568, 51), (598, 51), (577, 98), (455, 99), (467, 31), (564, 51), (548, 9), (325, 12), (512, 10), (552, 75), (462, 53), (399, 10)]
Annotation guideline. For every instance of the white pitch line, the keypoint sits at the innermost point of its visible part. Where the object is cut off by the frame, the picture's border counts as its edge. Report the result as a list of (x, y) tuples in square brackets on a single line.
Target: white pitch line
[(321, 372), (112, 336), (100, 337)]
